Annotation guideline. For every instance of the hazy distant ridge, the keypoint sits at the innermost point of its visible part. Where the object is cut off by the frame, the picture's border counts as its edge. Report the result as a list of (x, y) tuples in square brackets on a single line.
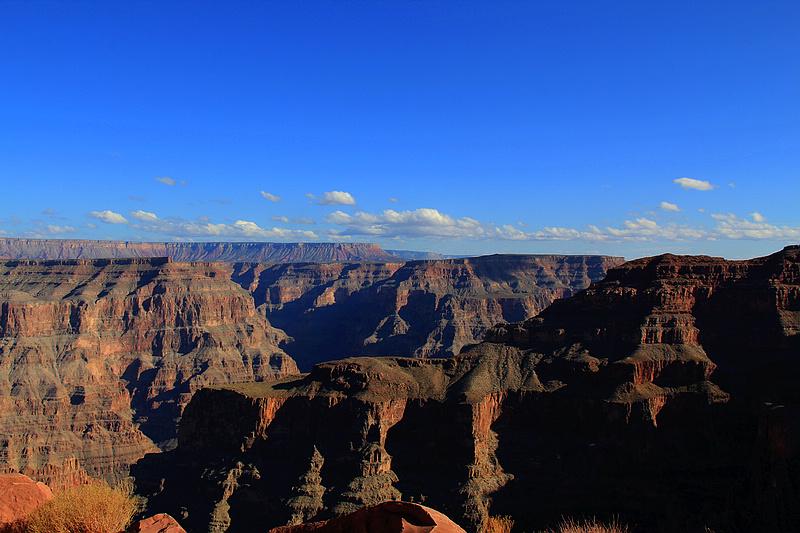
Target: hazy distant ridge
[(260, 252)]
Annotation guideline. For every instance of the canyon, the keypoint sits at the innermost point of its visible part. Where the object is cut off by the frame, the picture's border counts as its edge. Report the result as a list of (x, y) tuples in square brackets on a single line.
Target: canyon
[(417, 308), (663, 395), (99, 357)]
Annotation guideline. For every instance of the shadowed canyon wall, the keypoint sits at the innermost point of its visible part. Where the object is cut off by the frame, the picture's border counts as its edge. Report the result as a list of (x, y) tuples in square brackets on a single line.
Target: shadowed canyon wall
[(419, 308), (663, 395)]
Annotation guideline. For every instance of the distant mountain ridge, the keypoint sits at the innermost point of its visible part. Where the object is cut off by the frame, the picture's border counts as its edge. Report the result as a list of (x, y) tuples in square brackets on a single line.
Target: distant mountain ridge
[(229, 252)]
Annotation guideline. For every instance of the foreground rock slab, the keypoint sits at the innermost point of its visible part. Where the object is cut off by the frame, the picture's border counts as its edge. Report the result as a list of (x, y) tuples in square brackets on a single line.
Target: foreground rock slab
[(19, 497), (160, 523), (387, 517)]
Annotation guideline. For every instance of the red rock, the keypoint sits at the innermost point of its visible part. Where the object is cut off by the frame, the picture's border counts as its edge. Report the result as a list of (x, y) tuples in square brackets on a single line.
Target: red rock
[(19, 497), (98, 358), (387, 517), (639, 397), (160, 523)]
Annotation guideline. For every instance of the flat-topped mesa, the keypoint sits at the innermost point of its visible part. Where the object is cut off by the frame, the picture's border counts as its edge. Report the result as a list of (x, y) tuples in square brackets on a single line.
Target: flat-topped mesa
[(99, 357), (426, 308), (607, 403), (262, 252)]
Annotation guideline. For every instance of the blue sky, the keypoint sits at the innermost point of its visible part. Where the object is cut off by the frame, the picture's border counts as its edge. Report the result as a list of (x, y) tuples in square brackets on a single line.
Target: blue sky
[(461, 127)]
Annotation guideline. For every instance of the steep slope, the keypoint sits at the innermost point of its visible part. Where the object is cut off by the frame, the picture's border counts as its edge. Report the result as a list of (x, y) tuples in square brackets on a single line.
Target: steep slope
[(98, 358), (605, 404), (420, 308), (262, 252)]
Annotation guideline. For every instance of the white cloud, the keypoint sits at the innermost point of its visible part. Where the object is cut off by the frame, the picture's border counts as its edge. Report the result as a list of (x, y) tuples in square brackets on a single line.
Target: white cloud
[(144, 216), (109, 217), (691, 183), (56, 229), (417, 223), (734, 227), (334, 198), (429, 222), (166, 180), (393, 200), (758, 217), (669, 206), (240, 230), (269, 196), (297, 220)]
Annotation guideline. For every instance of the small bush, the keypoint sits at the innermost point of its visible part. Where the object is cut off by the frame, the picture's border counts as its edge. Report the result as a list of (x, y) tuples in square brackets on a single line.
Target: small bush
[(499, 524), (94, 508), (570, 525)]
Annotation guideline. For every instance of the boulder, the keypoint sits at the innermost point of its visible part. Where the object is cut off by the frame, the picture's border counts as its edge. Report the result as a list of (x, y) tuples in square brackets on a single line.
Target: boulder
[(160, 523), (19, 497), (386, 517)]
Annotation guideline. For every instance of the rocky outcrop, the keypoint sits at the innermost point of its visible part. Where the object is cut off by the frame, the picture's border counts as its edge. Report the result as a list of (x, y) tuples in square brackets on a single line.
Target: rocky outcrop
[(418, 308), (260, 252), (641, 397), (19, 497), (388, 517), (160, 523), (98, 358)]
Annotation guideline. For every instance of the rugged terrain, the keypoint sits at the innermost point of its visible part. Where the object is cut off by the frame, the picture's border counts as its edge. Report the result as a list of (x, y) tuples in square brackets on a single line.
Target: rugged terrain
[(664, 395), (261, 252), (99, 357), (419, 308)]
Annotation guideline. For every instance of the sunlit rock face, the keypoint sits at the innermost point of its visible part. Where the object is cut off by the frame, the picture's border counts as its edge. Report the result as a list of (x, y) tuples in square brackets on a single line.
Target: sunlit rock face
[(98, 358)]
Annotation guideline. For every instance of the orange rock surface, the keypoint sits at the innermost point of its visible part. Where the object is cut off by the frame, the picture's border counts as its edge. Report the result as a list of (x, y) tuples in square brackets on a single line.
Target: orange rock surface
[(387, 517), (19, 497), (160, 523)]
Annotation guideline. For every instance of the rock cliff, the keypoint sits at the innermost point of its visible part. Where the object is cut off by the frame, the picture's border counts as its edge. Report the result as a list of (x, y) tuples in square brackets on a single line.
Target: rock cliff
[(261, 252), (419, 308), (642, 397), (99, 357)]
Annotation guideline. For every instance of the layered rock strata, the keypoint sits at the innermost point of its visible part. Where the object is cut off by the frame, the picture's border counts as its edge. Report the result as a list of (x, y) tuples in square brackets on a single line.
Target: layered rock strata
[(642, 397), (419, 308), (261, 252), (98, 358)]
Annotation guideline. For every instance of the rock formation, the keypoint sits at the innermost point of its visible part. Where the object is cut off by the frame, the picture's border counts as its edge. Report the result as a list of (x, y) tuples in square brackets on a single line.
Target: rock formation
[(642, 397), (260, 252), (418, 308), (99, 357), (19, 497), (387, 517), (160, 523)]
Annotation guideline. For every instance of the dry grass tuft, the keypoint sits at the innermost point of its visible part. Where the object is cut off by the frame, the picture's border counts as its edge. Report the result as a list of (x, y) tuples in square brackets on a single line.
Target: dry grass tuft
[(571, 525), (499, 524), (93, 508)]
